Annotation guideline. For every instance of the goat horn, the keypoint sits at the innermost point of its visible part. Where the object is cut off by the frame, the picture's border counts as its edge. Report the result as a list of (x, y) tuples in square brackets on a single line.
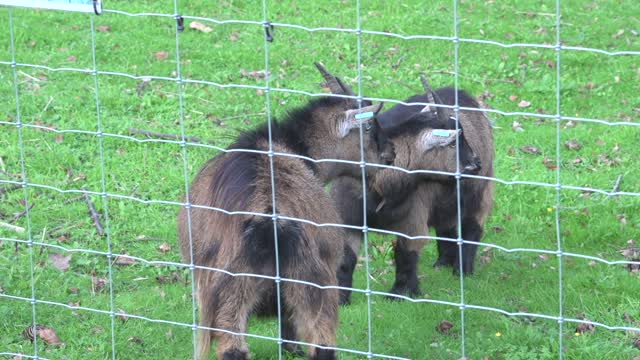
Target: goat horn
[(334, 83), (427, 89), (432, 97)]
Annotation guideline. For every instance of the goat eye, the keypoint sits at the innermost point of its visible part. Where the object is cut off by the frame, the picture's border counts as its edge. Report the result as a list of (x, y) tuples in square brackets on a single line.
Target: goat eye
[(367, 126)]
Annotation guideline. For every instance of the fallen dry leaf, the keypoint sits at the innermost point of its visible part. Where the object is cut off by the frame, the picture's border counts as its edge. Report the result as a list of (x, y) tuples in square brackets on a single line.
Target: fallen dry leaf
[(48, 335), (97, 283), (485, 256), (628, 318), (234, 36), (72, 58), (124, 260), (200, 27), (103, 28), (622, 218), (122, 315), (59, 138), (256, 74), (616, 148), (164, 247), (259, 92), (524, 104), (585, 327), (605, 159), (549, 163), (573, 145), (73, 290), (516, 126), (136, 340), (513, 97), (161, 55), (618, 34), (593, 263), (531, 149), (570, 124), (60, 262), (172, 278), (444, 327)]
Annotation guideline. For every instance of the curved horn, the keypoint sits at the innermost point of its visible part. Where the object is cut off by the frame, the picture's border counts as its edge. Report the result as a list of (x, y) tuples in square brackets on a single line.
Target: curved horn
[(427, 89), (432, 97), (334, 83)]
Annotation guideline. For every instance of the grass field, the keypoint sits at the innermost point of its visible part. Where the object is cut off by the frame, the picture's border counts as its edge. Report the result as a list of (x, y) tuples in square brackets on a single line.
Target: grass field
[(593, 85)]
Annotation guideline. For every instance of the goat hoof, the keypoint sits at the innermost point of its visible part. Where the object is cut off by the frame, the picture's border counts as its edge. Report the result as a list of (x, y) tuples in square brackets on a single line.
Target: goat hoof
[(466, 271), (410, 291), (345, 297), (235, 354), (443, 261), (324, 354)]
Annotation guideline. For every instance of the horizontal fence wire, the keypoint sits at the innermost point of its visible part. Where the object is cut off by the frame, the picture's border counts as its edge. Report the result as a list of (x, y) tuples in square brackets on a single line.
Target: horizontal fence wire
[(184, 144), (311, 94)]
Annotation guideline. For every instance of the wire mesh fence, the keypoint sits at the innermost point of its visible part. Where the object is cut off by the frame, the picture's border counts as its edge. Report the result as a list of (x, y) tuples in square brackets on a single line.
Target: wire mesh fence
[(263, 32)]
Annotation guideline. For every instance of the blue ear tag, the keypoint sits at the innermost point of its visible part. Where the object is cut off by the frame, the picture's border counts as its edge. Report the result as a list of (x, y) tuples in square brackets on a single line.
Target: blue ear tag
[(364, 115), (442, 133)]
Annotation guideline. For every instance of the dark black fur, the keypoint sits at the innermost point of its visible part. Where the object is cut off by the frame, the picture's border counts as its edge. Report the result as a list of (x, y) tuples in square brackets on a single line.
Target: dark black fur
[(345, 273), (235, 354), (259, 238), (235, 197), (447, 95), (406, 270), (445, 207), (324, 354)]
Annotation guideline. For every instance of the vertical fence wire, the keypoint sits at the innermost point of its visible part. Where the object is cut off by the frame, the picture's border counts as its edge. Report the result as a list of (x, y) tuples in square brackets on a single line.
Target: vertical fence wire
[(185, 166), (25, 189), (103, 186), (274, 213), (558, 181), (365, 232), (459, 240)]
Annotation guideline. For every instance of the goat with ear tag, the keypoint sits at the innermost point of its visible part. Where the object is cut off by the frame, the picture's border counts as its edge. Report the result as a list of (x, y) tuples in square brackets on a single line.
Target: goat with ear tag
[(413, 203)]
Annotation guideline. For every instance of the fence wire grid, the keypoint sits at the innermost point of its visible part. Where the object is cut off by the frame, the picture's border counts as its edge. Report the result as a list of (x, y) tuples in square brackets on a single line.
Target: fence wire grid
[(185, 141)]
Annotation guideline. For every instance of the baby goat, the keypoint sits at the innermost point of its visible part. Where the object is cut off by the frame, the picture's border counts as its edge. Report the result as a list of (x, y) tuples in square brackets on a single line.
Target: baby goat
[(240, 181)]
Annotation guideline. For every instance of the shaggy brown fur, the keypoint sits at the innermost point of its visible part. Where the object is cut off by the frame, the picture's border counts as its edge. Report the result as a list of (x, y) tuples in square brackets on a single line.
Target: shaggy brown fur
[(241, 181)]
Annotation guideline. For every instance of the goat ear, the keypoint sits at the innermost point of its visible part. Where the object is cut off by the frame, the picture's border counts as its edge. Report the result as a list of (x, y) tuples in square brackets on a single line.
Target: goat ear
[(433, 138), (354, 117)]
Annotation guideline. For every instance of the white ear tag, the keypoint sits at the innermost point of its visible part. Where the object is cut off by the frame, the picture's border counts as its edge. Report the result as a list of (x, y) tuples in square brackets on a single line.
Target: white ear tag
[(364, 115), (441, 133)]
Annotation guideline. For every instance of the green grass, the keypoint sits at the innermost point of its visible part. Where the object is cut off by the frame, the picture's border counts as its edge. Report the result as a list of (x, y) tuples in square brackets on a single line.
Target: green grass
[(593, 86)]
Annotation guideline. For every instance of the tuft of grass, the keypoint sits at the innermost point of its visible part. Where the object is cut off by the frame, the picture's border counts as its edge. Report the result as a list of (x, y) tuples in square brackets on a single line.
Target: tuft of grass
[(146, 179)]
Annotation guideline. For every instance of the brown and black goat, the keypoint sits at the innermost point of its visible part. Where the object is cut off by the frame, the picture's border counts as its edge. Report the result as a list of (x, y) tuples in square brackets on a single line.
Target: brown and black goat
[(424, 139), (240, 181)]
